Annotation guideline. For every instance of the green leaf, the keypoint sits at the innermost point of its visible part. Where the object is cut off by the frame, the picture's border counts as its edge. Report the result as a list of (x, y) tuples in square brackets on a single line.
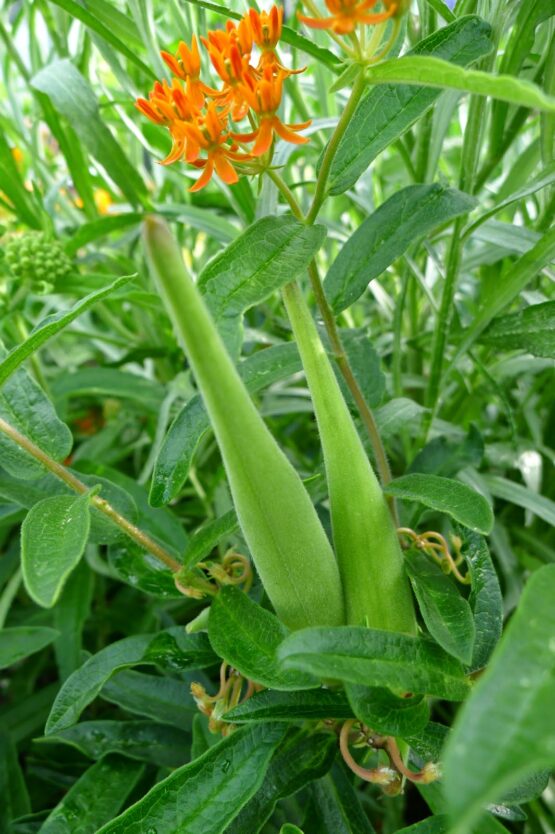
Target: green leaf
[(203, 542), (53, 539), (110, 382), (386, 235), (521, 496), (70, 614), (301, 759), (446, 456), (432, 825), (15, 799), (485, 598), (161, 744), (365, 655), (365, 364), (93, 800), (158, 698), (436, 72), (140, 569), (204, 796), (173, 647), (389, 110), (531, 330), (385, 712), (445, 495), (175, 457), (52, 325), (247, 637), (73, 97), (508, 723), (271, 252), (447, 614), (289, 828), (310, 705), (19, 642), (24, 405), (336, 806), (97, 229)]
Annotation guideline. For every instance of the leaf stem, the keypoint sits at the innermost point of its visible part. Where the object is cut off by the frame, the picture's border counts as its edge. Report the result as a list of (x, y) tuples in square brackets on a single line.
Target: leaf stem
[(61, 472)]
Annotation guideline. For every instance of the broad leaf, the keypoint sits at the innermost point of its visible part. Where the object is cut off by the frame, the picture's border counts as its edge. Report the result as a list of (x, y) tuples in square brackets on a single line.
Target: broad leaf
[(204, 796), (18, 642), (508, 723), (311, 705), (52, 325), (385, 712), (161, 744), (95, 797), (445, 495), (142, 570), (532, 330), (175, 457), (73, 97), (247, 637), (386, 235), (301, 759), (269, 254), (173, 648), (371, 657), (446, 613), (447, 456), (53, 539), (389, 110)]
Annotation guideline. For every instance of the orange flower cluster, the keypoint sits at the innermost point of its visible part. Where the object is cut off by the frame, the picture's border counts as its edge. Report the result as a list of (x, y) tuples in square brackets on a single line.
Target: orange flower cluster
[(201, 119), (346, 15)]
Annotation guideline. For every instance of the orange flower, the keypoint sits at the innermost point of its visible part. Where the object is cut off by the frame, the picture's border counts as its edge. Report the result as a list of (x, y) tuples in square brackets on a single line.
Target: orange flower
[(347, 14), (186, 65), (230, 53), (266, 31), (264, 97), (210, 133)]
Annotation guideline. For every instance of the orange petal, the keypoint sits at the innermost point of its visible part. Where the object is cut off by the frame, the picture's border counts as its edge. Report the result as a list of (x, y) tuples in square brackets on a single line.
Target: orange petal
[(287, 133), (225, 170), (265, 136), (317, 22), (204, 178)]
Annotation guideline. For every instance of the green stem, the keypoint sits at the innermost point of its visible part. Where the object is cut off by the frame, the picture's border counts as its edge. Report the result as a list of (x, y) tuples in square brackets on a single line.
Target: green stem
[(61, 472)]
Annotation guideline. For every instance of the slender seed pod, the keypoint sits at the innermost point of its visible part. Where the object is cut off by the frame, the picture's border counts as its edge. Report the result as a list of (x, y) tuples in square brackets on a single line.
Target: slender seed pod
[(289, 546), (366, 544)]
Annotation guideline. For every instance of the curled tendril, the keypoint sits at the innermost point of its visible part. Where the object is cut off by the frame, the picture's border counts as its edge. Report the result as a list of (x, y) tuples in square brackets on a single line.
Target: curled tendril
[(435, 545), (234, 689), (206, 578)]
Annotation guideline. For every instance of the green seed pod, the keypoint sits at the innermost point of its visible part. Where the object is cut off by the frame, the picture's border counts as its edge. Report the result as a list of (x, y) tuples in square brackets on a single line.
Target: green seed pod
[(376, 588), (287, 541), (37, 259)]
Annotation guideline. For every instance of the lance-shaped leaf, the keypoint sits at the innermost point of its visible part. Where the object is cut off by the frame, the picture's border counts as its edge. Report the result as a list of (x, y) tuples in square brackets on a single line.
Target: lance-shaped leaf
[(445, 495), (447, 614), (73, 97), (386, 235), (507, 726), (173, 648), (247, 637), (485, 598), (271, 705), (389, 110), (204, 796), (301, 759), (161, 744), (433, 825), (270, 253), (336, 807), (385, 712), (53, 539), (18, 642), (95, 797), (176, 454), (52, 325), (162, 699), (15, 799), (532, 330), (372, 657)]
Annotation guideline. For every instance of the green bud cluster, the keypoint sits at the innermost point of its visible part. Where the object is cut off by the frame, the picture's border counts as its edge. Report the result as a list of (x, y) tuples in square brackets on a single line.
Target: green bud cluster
[(37, 259)]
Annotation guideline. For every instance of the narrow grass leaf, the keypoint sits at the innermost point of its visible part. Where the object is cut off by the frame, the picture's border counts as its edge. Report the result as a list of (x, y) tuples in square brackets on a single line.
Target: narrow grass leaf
[(176, 454), (15, 799), (521, 496), (445, 495), (173, 648), (381, 658), (386, 234), (18, 642), (447, 614), (247, 637), (388, 110), (508, 722), (52, 325), (272, 705), (95, 797), (53, 539), (204, 796), (97, 229)]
